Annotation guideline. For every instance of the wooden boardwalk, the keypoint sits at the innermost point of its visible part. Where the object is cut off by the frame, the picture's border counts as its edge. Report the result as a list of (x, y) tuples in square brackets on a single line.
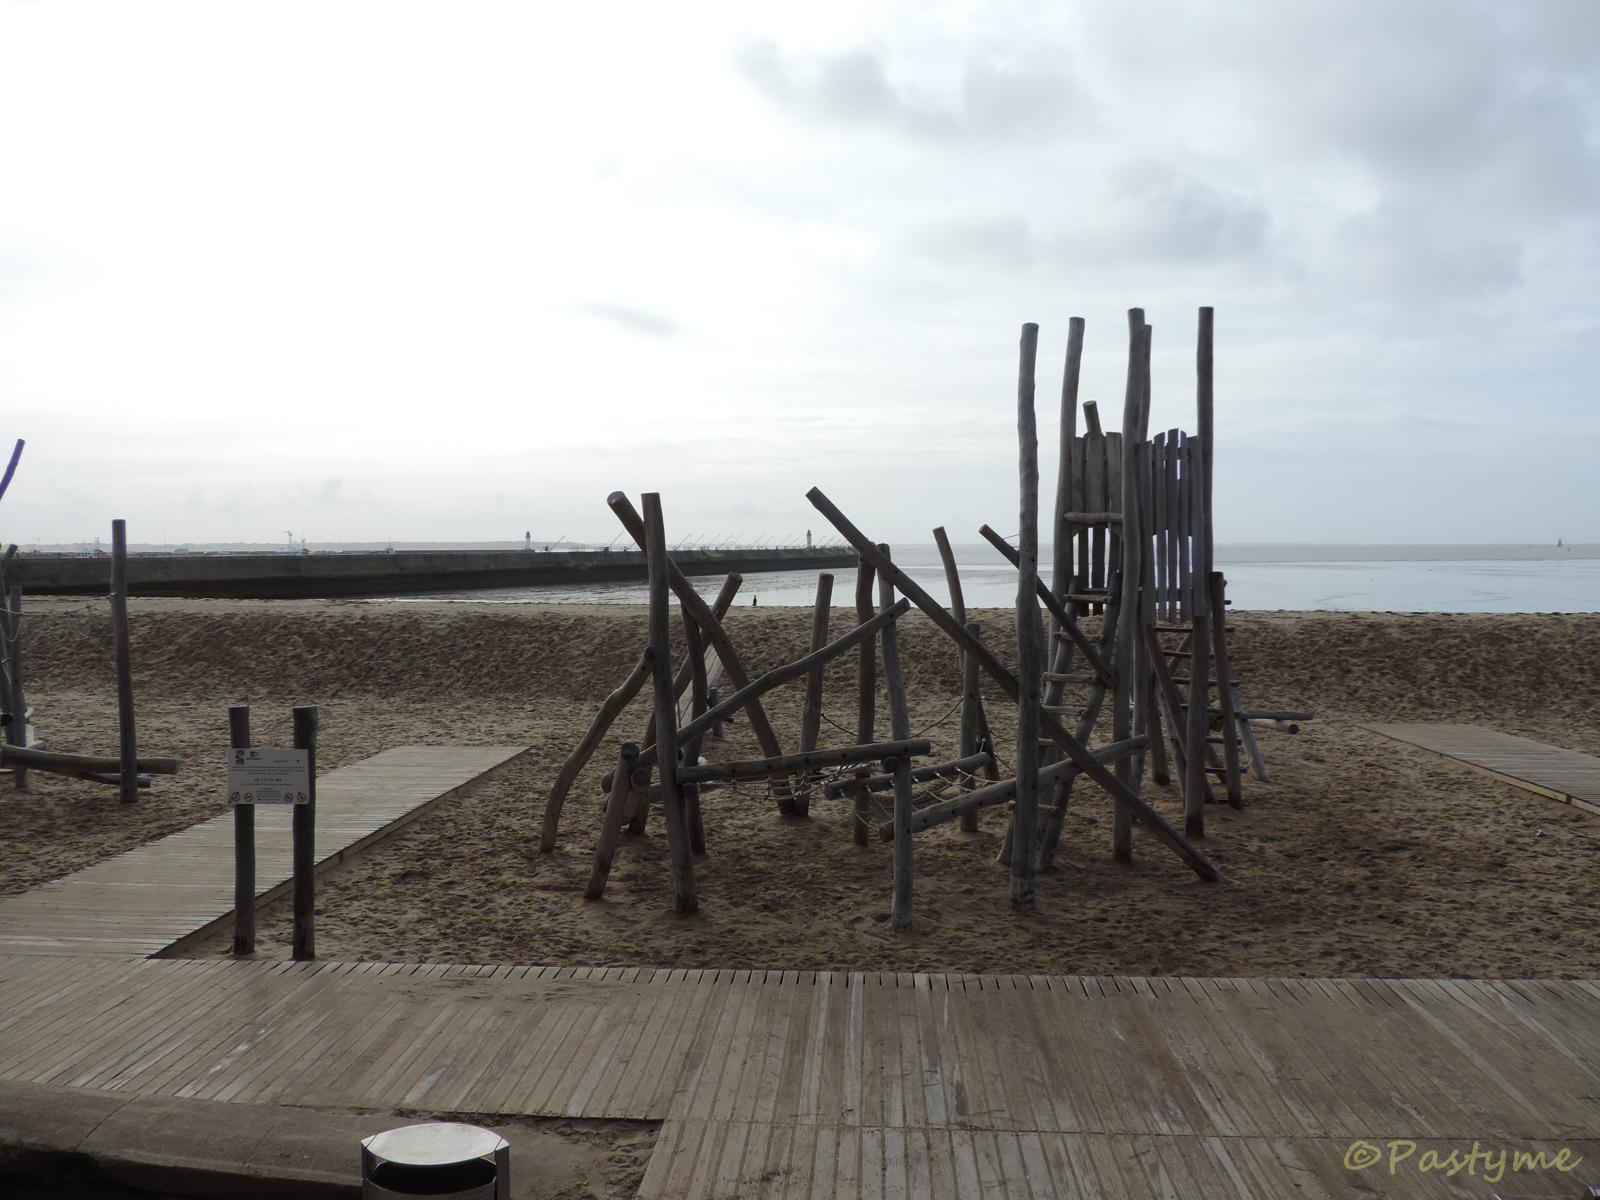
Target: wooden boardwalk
[(1566, 775), (832, 1084), (179, 888)]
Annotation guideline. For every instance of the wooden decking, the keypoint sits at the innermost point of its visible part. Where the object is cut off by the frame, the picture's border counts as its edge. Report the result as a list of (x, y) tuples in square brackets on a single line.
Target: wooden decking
[(1566, 775), (174, 890), (801, 1084)]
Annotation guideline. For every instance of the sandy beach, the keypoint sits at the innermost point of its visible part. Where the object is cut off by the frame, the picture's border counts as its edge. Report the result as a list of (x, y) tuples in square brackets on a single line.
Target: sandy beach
[(1361, 856)]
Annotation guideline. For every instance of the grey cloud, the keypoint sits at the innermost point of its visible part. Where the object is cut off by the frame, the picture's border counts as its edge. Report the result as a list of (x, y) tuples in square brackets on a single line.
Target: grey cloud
[(998, 97), (1411, 255), (632, 320), (1005, 241)]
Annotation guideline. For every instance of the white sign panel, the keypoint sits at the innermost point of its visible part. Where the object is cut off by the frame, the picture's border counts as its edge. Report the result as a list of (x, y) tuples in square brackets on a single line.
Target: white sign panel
[(263, 775)]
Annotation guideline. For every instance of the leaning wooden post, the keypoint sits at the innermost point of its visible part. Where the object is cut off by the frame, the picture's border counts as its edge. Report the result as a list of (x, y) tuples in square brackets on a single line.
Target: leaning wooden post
[(655, 548), (1030, 634), (16, 701), (900, 730), (1132, 573), (244, 844), (605, 851), (579, 758), (866, 688), (1199, 722), (305, 839), (811, 718), (119, 624)]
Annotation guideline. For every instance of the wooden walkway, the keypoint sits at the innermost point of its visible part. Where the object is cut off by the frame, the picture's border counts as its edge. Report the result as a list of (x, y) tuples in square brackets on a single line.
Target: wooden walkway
[(1566, 775), (177, 889), (832, 1084)]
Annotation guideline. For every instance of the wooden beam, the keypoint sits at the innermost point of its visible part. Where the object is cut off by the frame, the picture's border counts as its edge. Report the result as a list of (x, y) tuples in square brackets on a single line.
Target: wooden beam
[(1068, 623), (1003, 791), (762, 768), (624, 778)]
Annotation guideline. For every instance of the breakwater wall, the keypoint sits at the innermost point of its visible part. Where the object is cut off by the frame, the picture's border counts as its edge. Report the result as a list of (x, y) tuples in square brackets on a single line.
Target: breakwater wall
[(399, 572)]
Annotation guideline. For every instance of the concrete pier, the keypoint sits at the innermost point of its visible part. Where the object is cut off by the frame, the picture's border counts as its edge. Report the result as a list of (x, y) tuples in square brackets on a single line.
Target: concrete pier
[(400, 572)]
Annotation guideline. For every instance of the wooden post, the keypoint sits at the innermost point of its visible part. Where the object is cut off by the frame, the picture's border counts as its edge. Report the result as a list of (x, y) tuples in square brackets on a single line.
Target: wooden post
[(613, 704), (1148, 711), (863, 809), (1132, 574), (811, 718), (1232, 728), (129, 741), (655, 546), (1205, 403), (605, 851), (1030, 633), (867, 662), (866, 689), (1199, 722), (16, 700), (1061, 565), (971, 706), (900, 729), (244, 845), (305, 840), (689, 752)]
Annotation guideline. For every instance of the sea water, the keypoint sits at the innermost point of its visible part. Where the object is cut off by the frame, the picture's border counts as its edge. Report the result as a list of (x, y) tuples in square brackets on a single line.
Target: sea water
[(1371, 578)]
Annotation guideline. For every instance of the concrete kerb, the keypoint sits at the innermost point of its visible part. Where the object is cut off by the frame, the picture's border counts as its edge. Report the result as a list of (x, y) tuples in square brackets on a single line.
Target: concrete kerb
[(211, 1148)]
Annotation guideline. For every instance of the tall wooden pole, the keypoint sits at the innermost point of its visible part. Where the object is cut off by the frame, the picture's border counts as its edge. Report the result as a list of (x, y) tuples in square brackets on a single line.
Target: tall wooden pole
[(1132, 573), (244, 845), (129, 741), (811, 717), (1205, 399), (1061, 564), (1030, 633), (16, 700), (900, 728), (1198, 603), (866, 690), (655, 548), (305, 839)]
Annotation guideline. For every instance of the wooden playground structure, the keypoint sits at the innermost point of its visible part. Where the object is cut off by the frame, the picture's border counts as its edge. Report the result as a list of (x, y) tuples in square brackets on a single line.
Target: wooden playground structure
[(21, 752), (1133, 668)]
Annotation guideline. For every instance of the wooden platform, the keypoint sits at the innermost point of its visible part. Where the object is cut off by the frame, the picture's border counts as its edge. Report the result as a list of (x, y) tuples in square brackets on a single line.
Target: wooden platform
[(172, 891), (1566, 775), (831, 1084)]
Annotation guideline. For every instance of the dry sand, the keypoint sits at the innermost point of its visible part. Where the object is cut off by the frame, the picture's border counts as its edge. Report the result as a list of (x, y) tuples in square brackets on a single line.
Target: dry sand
[(1362, 856)]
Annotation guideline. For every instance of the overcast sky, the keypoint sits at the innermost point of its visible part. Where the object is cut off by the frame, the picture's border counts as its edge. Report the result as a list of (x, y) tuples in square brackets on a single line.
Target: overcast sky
[(459, 270)]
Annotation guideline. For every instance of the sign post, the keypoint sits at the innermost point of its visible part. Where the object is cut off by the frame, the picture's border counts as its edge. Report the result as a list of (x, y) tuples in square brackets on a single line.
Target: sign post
[(244, 842), (268, 775), (305, 826)]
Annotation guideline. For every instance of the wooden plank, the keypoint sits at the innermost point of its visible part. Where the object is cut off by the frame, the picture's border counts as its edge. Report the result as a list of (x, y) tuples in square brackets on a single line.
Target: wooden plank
[(170, 893), (1569, 776)]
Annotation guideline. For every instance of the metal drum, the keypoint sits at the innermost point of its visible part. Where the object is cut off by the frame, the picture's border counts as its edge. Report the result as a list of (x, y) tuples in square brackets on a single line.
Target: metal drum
[(440, 1159)]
